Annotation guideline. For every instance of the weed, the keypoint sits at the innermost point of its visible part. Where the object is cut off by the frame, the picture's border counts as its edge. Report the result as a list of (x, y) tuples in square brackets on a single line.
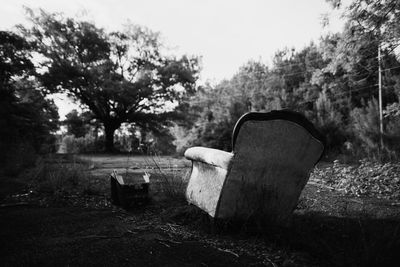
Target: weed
[(169, 180), (58, 178)]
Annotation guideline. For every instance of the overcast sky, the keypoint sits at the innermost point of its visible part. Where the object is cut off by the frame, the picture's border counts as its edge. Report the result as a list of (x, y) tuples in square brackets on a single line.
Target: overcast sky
[(225, 33)]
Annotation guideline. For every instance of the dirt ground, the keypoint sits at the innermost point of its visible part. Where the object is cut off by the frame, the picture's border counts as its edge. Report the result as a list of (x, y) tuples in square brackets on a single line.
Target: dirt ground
[(33, 236), (328, 229)]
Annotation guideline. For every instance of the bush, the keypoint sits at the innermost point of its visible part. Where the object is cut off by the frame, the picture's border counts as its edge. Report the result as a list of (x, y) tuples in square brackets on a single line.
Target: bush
[(62, 178), (330, 122), (159, 142), (86, 144), (155, 144), (366, 131), (167, 180), (365, 121), (391, 137), (17, 157)]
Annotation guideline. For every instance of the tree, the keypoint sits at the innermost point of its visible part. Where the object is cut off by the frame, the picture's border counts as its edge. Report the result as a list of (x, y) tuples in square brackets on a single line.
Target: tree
[(371, 26), (380, 18), (27, 118), (14, 59), (330, 82), (119, 76), (77, 124)]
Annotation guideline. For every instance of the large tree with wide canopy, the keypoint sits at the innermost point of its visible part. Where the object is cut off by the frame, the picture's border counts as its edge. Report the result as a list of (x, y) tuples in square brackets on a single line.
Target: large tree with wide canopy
[(121, 77)]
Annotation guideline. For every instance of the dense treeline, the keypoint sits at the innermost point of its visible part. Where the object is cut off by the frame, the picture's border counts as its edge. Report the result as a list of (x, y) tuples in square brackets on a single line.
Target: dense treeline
[(135, 98), (334, 83)]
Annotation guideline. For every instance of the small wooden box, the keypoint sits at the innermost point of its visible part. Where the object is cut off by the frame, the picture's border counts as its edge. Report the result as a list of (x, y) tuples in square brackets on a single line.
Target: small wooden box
[(129, 191)]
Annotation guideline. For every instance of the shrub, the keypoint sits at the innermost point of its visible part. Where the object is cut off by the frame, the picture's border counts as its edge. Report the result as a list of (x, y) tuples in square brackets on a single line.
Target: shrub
[(329, 122), (365, 122), (17, 157), (62, 178), (167, 180), (86, 144), (392, 137)]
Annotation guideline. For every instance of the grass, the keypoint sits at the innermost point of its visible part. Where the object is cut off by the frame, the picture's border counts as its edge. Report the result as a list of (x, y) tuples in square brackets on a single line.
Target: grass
[(328, 226), (172, 181), (350, 238), (62, 177)]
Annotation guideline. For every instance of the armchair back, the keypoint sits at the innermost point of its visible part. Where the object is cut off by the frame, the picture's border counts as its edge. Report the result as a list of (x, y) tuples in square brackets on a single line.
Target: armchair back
[(274, 154)]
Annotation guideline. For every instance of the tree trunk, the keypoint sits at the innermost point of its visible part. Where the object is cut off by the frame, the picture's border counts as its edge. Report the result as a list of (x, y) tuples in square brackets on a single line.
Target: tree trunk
[(109, 132)]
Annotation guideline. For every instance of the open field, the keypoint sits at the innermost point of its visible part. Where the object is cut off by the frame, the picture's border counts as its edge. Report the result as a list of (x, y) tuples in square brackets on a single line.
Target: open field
[(68, 219)]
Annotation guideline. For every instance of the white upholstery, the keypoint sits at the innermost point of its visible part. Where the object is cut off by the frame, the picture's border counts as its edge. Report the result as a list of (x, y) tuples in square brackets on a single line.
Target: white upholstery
[(209, 170), (210, 156)]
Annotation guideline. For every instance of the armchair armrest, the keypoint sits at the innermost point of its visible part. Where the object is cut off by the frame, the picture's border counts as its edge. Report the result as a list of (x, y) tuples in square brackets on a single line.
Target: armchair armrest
[(210, 156)]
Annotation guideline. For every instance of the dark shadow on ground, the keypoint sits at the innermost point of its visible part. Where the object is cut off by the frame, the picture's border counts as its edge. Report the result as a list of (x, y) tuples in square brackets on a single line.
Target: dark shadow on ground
[(34, 236), (359, 240), (341, 241)]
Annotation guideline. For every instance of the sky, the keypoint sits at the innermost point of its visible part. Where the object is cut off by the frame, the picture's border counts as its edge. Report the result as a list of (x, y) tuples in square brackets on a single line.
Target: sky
[(224, 33)]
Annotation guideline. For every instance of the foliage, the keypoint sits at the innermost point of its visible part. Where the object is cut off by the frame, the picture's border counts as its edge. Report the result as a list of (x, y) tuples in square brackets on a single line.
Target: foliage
[(77, 124), (333, 82), (27, 117), (365, 121), (152, 144), (63, 179), (119, 76), (124, 77), (219, 108), (17, 157), (14, 59), (393, 110), (85, 144), (377, 17), (162, 144), (167, 181), (391, 136), (329, 121), (182, 137)]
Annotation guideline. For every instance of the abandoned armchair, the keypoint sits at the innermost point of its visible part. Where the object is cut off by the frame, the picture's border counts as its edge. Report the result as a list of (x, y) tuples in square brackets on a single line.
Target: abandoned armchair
[(273, 155)]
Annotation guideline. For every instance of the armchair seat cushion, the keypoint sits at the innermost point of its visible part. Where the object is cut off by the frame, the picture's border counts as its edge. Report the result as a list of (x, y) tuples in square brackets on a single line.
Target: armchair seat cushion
[(209, 156)]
